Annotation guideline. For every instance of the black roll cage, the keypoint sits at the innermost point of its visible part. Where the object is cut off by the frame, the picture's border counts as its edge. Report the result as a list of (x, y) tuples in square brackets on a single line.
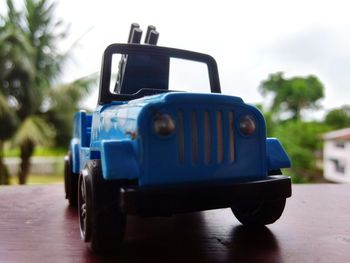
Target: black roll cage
[(106, 96)]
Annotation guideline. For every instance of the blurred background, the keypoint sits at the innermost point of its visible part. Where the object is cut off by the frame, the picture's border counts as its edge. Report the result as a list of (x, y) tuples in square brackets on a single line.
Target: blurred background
[(289, 58)]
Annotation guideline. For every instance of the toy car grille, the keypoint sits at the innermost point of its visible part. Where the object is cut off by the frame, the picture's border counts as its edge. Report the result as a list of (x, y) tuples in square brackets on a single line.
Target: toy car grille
[(205, 137)]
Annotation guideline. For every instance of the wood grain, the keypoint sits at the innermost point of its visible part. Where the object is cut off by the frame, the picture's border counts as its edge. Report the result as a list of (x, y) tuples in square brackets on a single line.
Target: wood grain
[(36, 225)]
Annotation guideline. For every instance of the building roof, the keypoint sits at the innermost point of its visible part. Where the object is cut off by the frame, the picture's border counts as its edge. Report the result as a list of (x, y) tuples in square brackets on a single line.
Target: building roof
[(342, 134)]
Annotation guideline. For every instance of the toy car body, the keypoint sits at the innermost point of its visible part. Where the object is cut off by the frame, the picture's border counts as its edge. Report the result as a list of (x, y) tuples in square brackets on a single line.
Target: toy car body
[(149, 151)]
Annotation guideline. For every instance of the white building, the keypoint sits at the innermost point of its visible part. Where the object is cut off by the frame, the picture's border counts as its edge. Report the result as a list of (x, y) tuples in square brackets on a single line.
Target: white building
[(336, 156)]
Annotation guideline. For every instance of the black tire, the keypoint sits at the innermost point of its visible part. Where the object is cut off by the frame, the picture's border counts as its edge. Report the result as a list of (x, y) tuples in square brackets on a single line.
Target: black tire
[(102, 223), (259, 213), (70, 181)]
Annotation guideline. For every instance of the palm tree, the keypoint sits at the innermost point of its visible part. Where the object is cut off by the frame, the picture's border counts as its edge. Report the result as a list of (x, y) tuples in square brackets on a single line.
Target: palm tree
[(16, 70), (31, 64), (33, 131), (30, 84), (8, 120)]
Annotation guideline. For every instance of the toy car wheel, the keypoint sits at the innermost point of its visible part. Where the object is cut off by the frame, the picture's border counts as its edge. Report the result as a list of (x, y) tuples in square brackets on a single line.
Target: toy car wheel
[(70, 181), (259, 213), (102, 223), (84, 206)]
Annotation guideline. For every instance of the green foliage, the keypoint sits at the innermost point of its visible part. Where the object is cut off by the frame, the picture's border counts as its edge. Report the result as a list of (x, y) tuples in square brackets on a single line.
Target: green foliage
[(303, 142), (63, 104), (39, 151), (338, 118), (17, 69), (8, 120), (292, 95), (50, 151), (34, 129), (30, 63), (44, 32), (30, 51)]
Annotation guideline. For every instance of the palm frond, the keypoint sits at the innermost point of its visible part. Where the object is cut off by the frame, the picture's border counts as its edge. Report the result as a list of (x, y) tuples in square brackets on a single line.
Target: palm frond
[(68, 96), (43, 31), (8, 119), (15, 51), (12, 13), (36, 130)]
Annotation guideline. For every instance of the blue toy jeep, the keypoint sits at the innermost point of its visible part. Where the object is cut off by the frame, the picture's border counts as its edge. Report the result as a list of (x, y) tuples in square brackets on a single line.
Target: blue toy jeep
[(150, 151)]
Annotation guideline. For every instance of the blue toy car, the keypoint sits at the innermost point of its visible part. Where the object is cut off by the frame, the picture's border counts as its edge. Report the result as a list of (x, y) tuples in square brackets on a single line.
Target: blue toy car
[(150, 151)]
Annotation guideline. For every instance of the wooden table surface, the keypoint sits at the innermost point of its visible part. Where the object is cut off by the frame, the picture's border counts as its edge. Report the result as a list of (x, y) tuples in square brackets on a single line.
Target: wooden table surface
[(36, 225)]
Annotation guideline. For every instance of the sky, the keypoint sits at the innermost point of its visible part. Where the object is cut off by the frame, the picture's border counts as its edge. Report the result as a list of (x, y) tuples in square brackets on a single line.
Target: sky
[(249, 39)]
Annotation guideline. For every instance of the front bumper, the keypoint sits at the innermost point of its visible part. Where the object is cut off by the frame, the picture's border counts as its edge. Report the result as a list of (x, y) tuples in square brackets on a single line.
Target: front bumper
[(169, 200)]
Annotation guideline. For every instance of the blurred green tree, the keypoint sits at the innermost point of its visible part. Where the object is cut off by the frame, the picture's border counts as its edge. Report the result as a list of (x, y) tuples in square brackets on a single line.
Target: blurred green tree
[(63, 101), (29, 38), (16, 69), (338, 118), (303, 143), (291, 96), (9, 123), (302, 140)]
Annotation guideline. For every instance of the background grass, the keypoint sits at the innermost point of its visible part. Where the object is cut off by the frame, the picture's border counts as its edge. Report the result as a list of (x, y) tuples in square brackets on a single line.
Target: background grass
[(39, 151), (40, 179)]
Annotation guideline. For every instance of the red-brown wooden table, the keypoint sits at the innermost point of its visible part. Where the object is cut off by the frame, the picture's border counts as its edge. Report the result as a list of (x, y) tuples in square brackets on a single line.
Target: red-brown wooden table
[(36, 225)]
